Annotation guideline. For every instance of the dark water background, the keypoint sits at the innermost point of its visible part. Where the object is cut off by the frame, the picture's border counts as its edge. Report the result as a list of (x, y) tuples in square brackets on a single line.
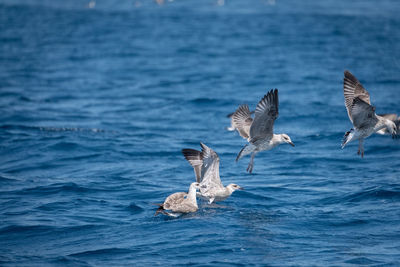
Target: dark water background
[(96, 104)]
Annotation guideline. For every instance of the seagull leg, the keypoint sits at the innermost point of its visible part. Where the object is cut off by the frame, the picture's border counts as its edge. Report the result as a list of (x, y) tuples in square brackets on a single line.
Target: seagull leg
[(251, 164), (211, 200), (361, 148)]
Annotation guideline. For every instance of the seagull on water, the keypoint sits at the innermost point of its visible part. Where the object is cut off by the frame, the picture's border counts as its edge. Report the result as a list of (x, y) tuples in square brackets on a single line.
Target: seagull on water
[(361, 113), (206, 168), (259, 131), (180, 202)]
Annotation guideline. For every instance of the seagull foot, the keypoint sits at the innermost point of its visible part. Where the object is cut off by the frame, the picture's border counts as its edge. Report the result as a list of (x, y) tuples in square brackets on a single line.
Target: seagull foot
[(250, 168)]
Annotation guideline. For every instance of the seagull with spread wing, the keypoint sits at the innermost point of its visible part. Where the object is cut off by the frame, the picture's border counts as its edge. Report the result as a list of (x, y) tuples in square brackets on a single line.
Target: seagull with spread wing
[(259, 131), (206, 168), (361, 113)]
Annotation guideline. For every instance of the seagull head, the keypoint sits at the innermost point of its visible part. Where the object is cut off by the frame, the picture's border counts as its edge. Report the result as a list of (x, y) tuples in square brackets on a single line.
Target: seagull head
[(233, 187), (286, 139)]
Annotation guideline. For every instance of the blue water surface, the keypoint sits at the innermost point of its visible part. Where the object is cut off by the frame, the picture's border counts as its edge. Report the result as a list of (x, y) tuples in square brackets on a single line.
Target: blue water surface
[(97, 99)]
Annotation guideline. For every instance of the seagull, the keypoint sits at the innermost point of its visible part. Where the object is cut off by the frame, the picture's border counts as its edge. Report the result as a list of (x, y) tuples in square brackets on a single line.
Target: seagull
[(395, 119), (361, 113), (180, 202), (206, 168), (259, 131)]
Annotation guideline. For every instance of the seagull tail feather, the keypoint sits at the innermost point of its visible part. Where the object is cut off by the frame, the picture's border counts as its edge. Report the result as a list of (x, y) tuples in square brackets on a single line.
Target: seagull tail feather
[(160, 210), (347, 137)]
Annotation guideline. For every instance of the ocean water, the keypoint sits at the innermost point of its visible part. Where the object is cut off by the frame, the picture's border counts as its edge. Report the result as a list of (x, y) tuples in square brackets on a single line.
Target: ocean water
[(97, 99)]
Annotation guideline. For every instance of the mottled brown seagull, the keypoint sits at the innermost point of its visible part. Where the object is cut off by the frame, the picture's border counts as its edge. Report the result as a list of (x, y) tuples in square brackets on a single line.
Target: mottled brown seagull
[(180, 202)]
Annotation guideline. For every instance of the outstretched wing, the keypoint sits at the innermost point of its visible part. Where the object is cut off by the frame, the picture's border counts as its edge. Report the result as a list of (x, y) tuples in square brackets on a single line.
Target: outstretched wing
[(194, 158), (363, 114), (265, 116), (353, 89), (241, 120), (210, 168), (205, 164)]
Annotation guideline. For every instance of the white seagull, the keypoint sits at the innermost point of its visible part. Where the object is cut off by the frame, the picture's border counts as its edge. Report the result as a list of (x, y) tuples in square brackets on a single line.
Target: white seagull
[(206, 168), (361, 113), (180, 202), (259, 131)]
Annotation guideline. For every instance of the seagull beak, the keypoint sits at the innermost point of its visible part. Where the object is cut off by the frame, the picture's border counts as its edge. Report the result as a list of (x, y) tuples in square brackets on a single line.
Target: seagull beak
[(241, 188), (291, 143)]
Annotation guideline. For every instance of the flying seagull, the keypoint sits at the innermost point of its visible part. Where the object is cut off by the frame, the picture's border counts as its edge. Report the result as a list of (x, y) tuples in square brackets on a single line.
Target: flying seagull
[(206, 168), (180, 202), (361, 113), (259, 131)]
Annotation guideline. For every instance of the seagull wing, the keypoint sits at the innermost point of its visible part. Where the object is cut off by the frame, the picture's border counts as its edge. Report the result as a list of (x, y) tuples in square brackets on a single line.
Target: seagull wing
[(353, 89), (241, 120), (265, 116), (194, 158), (395, 119), (210, 169), (174, 199), (363, 114), (392, 117), (205, 164)]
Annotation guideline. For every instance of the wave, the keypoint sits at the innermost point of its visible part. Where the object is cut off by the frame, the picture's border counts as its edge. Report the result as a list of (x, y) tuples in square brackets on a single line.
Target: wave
[(103, 251), (49, 129), (362, 261), (42, 229), (133, 208), (55, 188), (3, 178), (372, 193), (210, 101), (375, 193)]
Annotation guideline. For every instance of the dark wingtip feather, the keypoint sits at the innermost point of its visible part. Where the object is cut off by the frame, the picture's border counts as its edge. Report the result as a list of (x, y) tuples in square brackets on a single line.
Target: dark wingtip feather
[(346, 135), (348, 74), (230, 114), (350, 78), (191, 154)]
